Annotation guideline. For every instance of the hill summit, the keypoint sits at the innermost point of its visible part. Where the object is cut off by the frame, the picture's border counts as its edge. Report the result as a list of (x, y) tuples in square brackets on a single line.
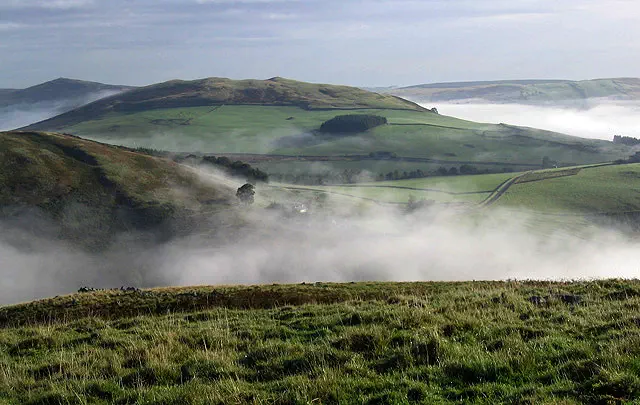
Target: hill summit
[(216, 91)]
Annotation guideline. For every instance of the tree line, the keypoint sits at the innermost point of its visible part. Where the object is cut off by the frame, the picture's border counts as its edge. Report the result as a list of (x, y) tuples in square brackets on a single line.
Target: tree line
[(352, 176), (626, 140), (234, 168)]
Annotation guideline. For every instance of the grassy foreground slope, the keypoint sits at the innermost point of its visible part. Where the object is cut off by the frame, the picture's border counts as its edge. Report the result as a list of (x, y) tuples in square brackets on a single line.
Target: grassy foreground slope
[(371, 343), (92, 190)]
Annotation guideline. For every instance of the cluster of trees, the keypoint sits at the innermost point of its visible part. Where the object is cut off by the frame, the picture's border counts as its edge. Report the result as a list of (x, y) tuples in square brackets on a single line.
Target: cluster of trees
[(347, 176), (234, 168), (351, 123), (397, 175), (441, 171), (626, 140), (635, 158), (351, 176), (237, 168)]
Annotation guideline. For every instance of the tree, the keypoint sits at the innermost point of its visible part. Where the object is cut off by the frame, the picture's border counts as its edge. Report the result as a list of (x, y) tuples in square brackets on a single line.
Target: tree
[(547, 162), (245, 193)]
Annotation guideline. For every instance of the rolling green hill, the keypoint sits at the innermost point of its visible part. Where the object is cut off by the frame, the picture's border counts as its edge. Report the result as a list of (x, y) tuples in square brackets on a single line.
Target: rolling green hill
[(216, 91), (372, 343), (92, 191), (603, 189), (523, 91), (278, 119)]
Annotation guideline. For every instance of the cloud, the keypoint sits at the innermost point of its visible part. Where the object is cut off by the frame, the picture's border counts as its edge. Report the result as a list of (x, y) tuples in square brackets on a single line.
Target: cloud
[(599, 120), (369, 42)]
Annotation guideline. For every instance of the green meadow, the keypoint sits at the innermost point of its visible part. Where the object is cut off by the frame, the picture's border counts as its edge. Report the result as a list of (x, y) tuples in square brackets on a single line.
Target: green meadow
[(318, 343)]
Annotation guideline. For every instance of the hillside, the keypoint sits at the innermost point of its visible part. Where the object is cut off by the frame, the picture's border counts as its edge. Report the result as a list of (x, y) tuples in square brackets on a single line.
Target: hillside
[(216, 91), (523, 91), (611, 189), (268, 122), (89, 192), (372, 343), (588, 190), (60, 90)]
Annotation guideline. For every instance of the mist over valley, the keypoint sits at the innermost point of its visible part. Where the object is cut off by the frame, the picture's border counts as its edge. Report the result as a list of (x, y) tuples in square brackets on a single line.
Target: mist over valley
[(251, 213)]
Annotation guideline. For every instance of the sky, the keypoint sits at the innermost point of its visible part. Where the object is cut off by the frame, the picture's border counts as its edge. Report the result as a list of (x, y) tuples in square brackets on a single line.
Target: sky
[(355, 42)]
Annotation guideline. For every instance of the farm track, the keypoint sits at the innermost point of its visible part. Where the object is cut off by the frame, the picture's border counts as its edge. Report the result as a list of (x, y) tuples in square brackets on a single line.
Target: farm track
[(501, 189)]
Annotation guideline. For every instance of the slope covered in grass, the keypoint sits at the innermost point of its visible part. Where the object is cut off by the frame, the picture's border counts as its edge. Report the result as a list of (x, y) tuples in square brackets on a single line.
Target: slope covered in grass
[(92, 190), (290, 131), (578, 190), (463, 189), (372, 343), (284, 117), (217, 91), (603, 189)]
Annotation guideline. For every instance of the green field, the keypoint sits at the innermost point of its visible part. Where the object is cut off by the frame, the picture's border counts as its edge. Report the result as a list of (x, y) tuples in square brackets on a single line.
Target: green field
[(287, 131), (576, 190), (471, 189), (607, 189), (363, 343), (282, 117)]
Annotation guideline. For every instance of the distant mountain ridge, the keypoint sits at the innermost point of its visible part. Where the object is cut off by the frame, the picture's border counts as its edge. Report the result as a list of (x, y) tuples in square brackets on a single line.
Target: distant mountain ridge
[(55, 91), (19, 107), (522, 91)]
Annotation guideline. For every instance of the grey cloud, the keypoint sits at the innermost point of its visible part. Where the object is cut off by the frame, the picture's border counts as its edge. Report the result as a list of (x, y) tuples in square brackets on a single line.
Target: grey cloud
[(369, 42)]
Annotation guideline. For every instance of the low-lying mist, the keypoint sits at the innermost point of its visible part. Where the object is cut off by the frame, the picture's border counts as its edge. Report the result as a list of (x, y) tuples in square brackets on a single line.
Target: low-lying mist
[(346, 243), (596, 119), (20, 115)]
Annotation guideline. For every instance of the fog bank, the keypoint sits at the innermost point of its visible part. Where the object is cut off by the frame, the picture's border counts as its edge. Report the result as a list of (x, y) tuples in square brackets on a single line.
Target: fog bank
[(19, 115), (380, 244), (598, 119)]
